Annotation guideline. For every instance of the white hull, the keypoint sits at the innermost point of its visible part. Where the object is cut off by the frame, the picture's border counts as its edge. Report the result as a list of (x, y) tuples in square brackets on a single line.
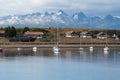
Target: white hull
[(81, 49), (19, 49), (56, 49), (34, 49), (91, 48), (106, 49)]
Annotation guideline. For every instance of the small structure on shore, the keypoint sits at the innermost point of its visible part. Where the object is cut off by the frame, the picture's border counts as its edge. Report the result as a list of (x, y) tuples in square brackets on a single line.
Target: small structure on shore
[(85, 34), (71, 34), (37, 35), (101, 35), (114, 36)]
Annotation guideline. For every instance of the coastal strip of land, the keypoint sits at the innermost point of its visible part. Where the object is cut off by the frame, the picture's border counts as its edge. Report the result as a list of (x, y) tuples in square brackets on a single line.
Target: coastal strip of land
[(62, 46)]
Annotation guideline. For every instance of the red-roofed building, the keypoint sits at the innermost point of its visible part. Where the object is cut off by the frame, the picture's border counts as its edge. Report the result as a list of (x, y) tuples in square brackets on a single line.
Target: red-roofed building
[(37, 35)]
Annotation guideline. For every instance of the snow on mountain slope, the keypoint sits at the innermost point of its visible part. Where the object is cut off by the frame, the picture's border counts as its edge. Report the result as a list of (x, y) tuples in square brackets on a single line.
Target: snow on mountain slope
[(60, 19)]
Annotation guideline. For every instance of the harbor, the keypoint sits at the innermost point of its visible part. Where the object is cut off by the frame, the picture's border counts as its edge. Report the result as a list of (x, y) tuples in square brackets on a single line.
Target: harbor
[(70, 61)]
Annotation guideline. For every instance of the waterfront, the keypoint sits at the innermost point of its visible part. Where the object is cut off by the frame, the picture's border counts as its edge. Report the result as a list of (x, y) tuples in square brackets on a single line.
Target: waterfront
[(69, 64)]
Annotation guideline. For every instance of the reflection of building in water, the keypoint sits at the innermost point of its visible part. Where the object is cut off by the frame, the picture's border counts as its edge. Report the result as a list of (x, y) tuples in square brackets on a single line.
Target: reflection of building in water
[(44, 52), (83, 56), (72, 54), (97, 56), (1, 54), (112, 56), (116, 56), (68, 54), (114, 53)]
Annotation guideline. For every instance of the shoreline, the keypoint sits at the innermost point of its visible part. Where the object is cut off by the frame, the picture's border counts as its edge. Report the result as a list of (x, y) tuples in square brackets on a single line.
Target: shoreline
[(62, 46)]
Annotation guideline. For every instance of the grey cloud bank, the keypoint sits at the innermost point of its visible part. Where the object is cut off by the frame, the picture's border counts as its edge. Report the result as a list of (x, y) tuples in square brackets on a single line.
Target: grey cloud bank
[(92, 7)]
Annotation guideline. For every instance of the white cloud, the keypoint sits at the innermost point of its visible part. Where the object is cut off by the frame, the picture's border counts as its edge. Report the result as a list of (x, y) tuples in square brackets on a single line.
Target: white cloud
[(26, 6)]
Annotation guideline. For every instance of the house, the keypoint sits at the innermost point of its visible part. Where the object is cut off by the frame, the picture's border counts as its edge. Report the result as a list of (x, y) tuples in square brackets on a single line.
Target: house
[(85, 35), (114, 36), (2, 33), (71, 34), (101, 35), (37, 35)]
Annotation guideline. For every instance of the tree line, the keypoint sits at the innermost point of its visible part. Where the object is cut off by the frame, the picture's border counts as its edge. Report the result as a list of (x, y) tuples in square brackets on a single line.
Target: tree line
[(11, 31)]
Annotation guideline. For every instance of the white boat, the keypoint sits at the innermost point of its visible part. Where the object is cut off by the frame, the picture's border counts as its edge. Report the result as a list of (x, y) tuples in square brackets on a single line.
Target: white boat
[(18, 49), (106, 47), (106, 51), (91, 48), (56, 48), (81, 49), (35, 49)]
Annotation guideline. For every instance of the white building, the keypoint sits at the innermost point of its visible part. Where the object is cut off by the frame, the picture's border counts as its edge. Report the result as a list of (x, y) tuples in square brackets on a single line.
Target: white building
[(71, 34), (85, 35), (101, 35)]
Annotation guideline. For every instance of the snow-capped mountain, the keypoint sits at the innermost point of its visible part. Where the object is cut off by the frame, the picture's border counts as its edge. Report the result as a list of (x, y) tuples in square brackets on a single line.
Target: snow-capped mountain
[(60, 19), (79, 16)]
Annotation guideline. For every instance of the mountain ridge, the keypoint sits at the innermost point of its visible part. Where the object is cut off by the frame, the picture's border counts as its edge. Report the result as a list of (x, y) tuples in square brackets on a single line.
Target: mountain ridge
[(60, 19)]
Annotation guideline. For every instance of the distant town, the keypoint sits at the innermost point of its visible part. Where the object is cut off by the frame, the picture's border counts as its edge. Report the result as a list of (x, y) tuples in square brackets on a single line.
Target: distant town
[(65, 35)]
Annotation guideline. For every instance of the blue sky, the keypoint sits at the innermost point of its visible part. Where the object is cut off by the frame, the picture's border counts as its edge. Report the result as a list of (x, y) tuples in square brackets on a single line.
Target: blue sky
[(90, 7)]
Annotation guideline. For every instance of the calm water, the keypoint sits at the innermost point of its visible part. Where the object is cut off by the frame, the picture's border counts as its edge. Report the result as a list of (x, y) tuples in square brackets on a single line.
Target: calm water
[(70, 64)]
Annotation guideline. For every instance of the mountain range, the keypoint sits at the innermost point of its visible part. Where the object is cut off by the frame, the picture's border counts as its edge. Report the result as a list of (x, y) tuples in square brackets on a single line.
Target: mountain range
[(60, 19)]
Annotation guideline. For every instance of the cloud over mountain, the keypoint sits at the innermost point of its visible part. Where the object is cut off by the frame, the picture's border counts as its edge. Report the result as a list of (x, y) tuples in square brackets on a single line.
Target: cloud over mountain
[(96, 7)]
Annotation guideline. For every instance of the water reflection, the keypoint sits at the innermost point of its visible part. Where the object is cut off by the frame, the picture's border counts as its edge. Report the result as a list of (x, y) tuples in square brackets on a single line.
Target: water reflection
[(69, 64), (98, 55), (106, 53)]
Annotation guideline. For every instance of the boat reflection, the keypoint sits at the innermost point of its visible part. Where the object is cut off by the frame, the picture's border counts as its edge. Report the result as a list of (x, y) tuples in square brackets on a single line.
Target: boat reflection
[(98, 55)]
